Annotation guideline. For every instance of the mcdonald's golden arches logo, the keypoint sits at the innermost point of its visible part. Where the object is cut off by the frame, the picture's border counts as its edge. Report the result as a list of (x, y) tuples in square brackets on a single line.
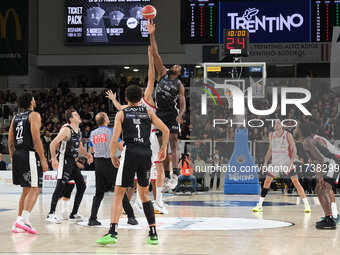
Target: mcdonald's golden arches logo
[(3, 23)]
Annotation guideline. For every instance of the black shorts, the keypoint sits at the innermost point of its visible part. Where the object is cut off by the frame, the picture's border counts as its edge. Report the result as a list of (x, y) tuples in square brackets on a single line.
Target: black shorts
[(67, 190), (134, 159), (27, 170), (169, 119), (68, 170), (106, 174)]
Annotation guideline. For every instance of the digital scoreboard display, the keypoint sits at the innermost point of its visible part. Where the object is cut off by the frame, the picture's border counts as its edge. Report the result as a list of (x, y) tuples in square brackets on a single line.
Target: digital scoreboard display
[(274, 21), (325, 15), (105, 22), (236, 42)]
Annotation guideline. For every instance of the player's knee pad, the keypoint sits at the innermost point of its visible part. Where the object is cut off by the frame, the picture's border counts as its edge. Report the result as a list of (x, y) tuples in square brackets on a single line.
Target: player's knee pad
[(149, 212)]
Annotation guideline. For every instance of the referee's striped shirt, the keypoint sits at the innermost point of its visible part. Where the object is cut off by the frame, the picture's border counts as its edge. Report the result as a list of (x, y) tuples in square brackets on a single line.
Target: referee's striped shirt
[(100, 141)]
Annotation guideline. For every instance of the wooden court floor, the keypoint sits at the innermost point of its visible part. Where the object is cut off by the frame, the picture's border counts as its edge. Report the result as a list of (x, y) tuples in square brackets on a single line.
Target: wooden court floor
[(214, 213)]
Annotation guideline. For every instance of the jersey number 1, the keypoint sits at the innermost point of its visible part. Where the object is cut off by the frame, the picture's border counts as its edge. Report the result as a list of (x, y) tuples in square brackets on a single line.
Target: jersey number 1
[(138, 129)]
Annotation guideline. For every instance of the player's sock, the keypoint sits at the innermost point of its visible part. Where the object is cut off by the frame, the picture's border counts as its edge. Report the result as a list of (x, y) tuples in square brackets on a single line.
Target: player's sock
[(113, 228), (264, 193), (334, 210), (261, 201), (19, 218), (167, 174), (305, 201), (152, 230), (25, 216), (159, 194)]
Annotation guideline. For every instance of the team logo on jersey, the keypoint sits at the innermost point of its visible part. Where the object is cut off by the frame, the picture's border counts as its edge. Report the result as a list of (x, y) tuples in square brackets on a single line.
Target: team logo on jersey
[(130, 115), (143, 115), (136, 121)]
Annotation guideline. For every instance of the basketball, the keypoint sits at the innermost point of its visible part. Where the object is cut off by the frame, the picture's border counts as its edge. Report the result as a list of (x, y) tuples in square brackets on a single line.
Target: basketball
[(149, 12)]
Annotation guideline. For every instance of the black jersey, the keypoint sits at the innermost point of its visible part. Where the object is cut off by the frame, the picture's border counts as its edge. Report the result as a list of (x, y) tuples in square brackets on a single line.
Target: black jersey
[(324, 152), (22, 131), (70, 148), (136, 126), (167, 91)]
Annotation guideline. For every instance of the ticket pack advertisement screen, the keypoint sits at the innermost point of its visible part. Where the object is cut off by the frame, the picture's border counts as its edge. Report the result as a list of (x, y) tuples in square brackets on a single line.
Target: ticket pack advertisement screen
[(105, 22)]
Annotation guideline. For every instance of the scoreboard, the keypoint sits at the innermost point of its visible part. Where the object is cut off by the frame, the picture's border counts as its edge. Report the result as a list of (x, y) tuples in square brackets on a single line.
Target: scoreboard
[(272, 21), (236, 42)]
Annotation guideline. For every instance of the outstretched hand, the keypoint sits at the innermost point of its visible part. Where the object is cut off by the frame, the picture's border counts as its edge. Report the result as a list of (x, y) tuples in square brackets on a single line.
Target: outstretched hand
[(110, 95), (151, 27)]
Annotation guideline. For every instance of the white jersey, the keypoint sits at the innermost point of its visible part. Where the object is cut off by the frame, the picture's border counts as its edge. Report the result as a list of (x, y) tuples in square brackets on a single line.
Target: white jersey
[(281, 151), (148, 106), (332, 149)]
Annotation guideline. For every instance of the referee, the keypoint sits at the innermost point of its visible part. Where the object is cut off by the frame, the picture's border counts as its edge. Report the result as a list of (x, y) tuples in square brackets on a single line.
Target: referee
[(105, 171)]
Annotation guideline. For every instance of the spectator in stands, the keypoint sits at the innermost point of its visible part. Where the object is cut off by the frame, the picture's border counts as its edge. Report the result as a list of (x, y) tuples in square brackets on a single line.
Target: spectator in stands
[(83, 95), (265, 134), (86, 133), (199, 170), (256, 135), (2, 163), (186, 167)]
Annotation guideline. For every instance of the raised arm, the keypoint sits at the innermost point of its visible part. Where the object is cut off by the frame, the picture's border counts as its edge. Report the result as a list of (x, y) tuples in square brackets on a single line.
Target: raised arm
[(151, 79), (165, 134), (35, 122), (161, 70), (181, 104), (112, 96)]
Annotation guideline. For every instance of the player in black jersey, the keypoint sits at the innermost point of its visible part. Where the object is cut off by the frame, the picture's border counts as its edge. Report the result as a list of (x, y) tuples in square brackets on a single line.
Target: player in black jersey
[(169, 95), (135, 124), (28, 159), (323, 189), (69, 139)]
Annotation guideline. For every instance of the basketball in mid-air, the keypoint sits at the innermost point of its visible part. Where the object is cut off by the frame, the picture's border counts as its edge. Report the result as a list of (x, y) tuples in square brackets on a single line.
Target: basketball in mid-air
[(149, 12)]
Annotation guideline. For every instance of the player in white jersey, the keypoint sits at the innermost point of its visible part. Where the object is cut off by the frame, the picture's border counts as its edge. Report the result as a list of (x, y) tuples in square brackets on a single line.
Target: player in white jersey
[(283, 151), (148, 103)]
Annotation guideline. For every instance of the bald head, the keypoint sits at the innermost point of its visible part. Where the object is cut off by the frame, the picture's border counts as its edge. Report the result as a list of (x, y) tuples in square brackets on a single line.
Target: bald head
[(102, 119)]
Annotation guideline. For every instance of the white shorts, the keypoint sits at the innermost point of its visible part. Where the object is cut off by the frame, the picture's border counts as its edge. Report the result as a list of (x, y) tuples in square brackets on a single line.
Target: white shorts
[(153, 173), (275, 171), (154, 147)]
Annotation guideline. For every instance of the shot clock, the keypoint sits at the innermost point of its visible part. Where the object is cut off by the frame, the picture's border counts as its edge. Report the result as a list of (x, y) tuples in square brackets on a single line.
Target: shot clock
[(236, 42)]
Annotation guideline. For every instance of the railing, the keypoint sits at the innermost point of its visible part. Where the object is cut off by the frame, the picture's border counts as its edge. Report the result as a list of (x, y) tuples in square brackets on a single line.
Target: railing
[(258, 149)]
